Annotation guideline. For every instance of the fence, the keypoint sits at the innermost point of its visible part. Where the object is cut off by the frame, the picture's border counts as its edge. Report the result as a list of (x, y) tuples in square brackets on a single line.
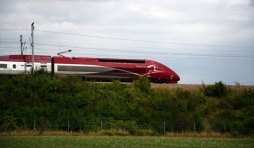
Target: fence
[(156, 126)]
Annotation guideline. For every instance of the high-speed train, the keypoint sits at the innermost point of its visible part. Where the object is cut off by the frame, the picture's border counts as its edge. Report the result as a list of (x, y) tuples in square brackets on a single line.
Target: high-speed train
[(102, 69)]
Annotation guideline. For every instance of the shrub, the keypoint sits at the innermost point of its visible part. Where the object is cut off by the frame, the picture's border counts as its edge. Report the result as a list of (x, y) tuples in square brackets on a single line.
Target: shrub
[(219, 89), (56, 103), (143, 84), (40, 71), (198, 121)]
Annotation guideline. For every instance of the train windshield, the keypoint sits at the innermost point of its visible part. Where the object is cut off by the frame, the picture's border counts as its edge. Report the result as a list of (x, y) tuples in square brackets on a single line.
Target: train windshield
[(159, 66)]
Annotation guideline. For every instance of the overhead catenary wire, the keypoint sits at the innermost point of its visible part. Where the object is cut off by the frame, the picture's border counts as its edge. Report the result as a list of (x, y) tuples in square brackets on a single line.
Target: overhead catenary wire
[(1, 39), (112, 38), (9, 42), (191, 56), (137, 47), (146, 52), (14, 29), (216, 56), (134, 40), (170, 57)]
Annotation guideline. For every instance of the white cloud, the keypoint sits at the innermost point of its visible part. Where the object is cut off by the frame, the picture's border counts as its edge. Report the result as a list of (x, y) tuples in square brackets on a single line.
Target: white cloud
[(239, 18), (74, 15), (237, 2)]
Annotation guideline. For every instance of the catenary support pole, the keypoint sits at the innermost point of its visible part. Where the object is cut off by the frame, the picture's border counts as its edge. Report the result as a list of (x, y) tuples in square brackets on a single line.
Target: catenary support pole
[(32, 44), (21, 43)]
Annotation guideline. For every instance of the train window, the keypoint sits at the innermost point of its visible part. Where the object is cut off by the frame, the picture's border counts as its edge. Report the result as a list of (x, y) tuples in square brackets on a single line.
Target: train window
[(121, 61), (3, 65), (14, 66), (43, 66)]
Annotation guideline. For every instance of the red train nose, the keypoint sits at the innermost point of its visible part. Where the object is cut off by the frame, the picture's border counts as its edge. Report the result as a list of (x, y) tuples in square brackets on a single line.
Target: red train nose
[(176, 77), (172, 77)]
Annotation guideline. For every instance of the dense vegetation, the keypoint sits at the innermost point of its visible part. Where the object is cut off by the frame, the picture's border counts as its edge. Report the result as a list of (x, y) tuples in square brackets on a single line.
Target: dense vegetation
[(52, 101)]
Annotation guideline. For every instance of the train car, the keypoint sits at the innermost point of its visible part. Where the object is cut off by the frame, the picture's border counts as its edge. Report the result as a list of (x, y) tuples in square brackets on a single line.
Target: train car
[(16, 64), (101, 69)]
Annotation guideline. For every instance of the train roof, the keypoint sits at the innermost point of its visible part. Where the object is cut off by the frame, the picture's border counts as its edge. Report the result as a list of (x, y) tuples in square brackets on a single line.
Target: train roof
[(38, 58), (27, 58), (106, 60)]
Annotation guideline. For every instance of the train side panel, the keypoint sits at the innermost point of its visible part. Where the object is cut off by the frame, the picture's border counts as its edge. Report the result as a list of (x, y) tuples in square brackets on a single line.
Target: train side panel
[(102, 69)]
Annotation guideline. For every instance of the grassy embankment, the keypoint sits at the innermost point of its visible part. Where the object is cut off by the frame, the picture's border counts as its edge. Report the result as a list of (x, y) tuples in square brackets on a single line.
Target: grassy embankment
[(133, 142), (62, 104)]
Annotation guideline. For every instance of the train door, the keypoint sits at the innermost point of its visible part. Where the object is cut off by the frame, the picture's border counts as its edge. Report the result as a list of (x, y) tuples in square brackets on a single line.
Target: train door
[(148, 71), (14, 68), (27, 67)]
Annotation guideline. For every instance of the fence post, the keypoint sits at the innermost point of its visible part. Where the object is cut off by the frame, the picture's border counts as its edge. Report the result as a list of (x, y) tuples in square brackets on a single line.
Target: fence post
[(101, 125), (34, 130), (68, 125), (225, 127), (194, 127), (164, 127)]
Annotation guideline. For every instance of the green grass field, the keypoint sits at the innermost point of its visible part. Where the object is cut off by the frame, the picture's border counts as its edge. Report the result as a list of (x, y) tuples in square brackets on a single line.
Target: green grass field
[(123, 142)]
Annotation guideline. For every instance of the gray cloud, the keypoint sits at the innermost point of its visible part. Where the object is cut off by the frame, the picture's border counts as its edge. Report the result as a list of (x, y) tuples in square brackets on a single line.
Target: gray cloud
[(252, 3)]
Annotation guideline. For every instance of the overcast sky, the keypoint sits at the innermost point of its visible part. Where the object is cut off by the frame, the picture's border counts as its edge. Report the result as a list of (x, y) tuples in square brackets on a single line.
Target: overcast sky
[(201, 40)]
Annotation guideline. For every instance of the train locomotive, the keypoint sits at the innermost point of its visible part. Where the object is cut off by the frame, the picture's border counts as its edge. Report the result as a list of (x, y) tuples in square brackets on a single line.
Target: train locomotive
[(99, 69)]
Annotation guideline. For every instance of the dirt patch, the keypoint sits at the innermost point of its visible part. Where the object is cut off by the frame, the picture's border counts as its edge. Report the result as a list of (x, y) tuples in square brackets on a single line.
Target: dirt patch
[(195, 87)]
